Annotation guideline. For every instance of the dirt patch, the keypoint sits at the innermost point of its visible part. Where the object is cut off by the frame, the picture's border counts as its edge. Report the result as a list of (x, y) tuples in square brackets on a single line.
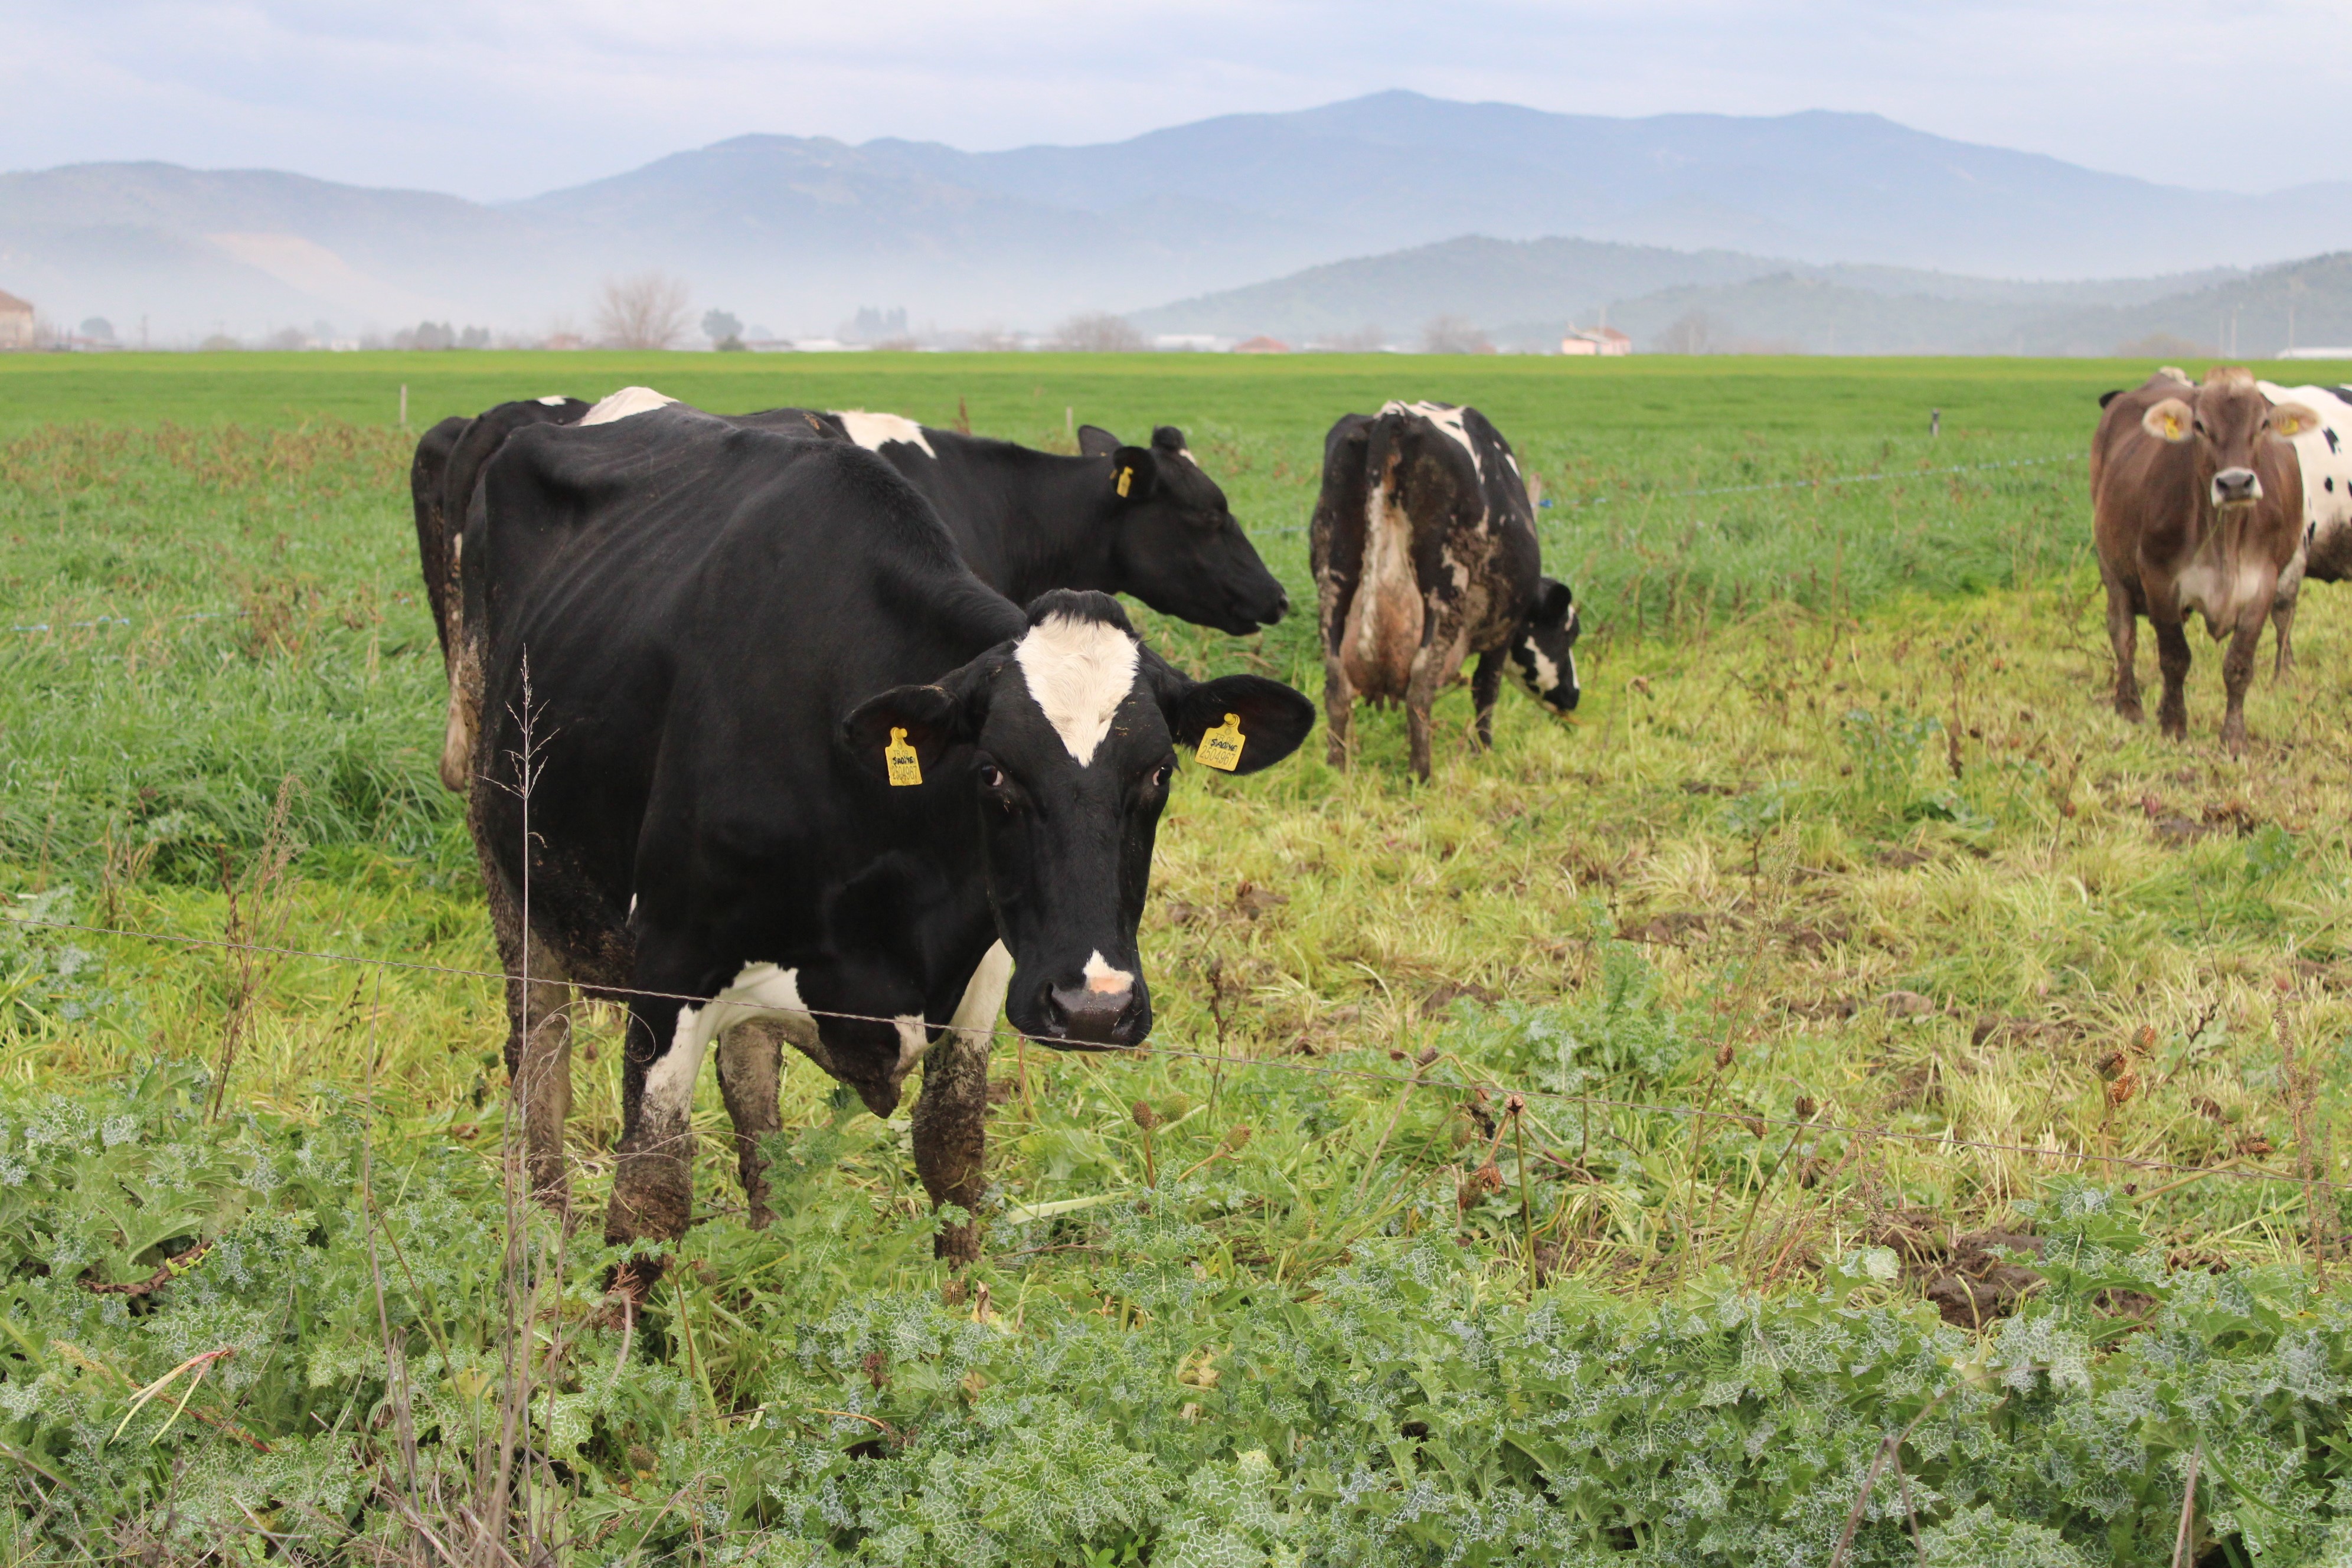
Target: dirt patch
[(1666, 931), (1446, 994), (1969, 1282), (1254, 900)]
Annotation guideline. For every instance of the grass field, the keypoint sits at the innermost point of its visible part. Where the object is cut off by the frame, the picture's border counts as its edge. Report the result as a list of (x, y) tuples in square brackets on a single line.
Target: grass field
[(1845, 852)]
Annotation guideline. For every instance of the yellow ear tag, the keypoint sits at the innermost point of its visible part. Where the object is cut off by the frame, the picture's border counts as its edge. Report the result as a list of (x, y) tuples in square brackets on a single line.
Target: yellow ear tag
[(1126, 478), (2172, 426), (1220, 747), (899, 758)]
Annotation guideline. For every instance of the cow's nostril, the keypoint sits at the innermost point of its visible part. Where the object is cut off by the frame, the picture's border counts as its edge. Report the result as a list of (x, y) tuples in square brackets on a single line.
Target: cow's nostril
[(1097, 1017)]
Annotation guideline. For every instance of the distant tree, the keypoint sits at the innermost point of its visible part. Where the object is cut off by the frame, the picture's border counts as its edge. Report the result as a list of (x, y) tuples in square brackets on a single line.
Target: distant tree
[(474, 338), (873, 326), (722, 328), (98, 328), (1453, 335), (1098, 332), (287, 340), (1692, 332), (425, 335), (644, 311), (2162, 346), (219, 343)]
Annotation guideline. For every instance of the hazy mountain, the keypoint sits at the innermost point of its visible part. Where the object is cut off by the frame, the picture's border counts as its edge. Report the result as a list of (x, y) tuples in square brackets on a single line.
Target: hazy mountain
[(798, 232), (1525, 293)]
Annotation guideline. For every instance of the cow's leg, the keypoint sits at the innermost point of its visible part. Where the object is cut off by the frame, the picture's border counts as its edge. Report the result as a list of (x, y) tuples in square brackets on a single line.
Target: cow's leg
[(539, 1060), (2282, 602), (653, 1179), (2172, 661), (1485, 685), (2122, 636), (751, 1069), (1339, 712), (2238, 675), (951, 1117)]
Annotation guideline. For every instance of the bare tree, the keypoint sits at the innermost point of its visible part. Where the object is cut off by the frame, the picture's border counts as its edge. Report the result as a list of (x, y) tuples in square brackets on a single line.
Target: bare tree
[(1453, 335), (1098, 332), (1692, 332), (644, 311)]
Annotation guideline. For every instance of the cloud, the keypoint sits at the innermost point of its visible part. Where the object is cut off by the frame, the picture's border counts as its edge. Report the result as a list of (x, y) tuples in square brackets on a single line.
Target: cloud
[(505, 99)]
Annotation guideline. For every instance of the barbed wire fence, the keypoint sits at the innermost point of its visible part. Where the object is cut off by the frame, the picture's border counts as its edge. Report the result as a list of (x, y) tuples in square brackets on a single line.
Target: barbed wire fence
[(2234, 1171)]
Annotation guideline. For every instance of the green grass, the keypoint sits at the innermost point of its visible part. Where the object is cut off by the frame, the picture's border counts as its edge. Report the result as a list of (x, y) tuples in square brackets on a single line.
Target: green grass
[(1845, 848)]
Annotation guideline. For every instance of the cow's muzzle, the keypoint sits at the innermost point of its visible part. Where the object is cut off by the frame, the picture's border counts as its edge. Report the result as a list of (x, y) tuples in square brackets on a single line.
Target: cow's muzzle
[(2237, 487), (1090, 1015)]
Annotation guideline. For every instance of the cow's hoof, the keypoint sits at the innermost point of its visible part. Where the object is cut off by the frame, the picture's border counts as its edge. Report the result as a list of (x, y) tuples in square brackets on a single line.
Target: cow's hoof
[(957, 1246), (2130, 713)]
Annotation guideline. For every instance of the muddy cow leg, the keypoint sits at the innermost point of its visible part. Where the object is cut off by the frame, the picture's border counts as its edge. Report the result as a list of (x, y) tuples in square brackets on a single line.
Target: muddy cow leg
[(950, 1131), (653, 1178), (2172, 661), (751, 1069), (2238, 675), (539, 1063), (1485, 685), (2282, 602), (1339, 712), (2123, 636)]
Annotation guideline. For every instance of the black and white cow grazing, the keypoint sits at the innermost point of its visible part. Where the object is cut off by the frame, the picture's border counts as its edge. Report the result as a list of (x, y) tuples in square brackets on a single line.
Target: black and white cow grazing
[(1424, 552), (449, 458), (1145, 521), (791, 757)]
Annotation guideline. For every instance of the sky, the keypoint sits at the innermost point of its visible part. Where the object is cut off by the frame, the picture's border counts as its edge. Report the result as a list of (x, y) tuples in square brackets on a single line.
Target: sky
[(502, 98)]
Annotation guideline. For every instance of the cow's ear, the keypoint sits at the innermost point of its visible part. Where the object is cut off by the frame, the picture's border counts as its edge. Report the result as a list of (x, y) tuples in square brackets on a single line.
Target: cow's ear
[(1265, 718), (1553, 601), (2169, 420), (925, 719), (2289, 420), (1134, 473), (1094, 441)]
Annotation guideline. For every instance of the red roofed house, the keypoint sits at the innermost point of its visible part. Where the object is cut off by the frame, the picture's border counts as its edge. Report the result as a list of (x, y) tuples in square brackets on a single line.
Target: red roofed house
[(16, 322), (1262, 345)]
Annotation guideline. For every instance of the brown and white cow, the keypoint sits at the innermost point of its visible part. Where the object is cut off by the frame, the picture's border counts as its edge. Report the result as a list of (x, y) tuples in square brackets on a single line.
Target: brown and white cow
[(2196, 504), (1423, 546)]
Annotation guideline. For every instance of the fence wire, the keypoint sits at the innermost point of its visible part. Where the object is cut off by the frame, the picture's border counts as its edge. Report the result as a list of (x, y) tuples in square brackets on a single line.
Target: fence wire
[(1748, 1119)]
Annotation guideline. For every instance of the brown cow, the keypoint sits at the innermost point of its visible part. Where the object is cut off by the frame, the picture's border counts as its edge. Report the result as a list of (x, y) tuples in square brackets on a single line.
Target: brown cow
[(1423, 547), (2196, 503)]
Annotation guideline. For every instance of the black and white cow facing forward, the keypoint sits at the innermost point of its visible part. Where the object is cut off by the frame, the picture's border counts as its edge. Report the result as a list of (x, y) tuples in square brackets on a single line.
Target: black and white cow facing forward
[(1424, 552), (727, 634)]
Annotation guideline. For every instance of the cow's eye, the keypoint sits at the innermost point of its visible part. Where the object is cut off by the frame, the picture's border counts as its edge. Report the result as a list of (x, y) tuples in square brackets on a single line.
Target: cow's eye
[(1160, 775), (991, 776)]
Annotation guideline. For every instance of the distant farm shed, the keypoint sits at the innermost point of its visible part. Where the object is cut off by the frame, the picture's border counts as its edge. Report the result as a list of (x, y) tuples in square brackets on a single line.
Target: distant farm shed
[(1261, 345), (16, 322), (1599, 341)]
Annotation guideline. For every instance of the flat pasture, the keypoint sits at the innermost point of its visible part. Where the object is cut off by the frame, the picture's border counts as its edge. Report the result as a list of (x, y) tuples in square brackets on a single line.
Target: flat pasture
[(1846, 1098)]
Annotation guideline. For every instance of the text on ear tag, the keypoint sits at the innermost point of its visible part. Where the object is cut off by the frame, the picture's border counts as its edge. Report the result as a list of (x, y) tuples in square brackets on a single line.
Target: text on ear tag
[(900, 760), (1220, 747), (1126, 478)]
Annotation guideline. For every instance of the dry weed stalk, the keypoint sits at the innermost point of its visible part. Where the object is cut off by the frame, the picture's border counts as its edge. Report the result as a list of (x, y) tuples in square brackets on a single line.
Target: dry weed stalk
[(2313, 1149), (256, 919)]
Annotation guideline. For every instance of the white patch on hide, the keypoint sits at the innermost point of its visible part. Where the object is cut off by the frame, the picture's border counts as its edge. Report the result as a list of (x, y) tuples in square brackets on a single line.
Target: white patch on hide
[(876, 431), (624, 404), (914, 1042), (555, 400), (1446, 417), (1078, 672), (1105, 981)]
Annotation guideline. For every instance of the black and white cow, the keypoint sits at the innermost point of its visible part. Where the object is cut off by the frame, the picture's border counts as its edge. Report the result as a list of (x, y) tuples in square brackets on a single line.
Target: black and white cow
[(449, 458), (2325, 453), (1142, 521), (718, 637), (1424, 552)]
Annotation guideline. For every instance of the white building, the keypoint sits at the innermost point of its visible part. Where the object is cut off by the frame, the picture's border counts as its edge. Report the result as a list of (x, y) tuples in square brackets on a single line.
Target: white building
[(16, 322), (1596, 341)]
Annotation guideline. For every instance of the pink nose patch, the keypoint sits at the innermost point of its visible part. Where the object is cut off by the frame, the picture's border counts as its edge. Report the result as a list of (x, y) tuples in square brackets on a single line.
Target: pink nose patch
[(1105, 981)]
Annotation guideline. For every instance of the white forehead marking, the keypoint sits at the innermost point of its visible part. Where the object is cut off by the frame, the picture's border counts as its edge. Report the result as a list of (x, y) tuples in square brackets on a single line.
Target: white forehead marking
[(1102, 978), (622, 405), (1446, 417), (874, 431), (1078, 672), (555, 400)]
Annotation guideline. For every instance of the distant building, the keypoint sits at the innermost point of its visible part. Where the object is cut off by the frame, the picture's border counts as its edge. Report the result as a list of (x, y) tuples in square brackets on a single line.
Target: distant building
[(1597, 341), (1261, 345), (16, 322)]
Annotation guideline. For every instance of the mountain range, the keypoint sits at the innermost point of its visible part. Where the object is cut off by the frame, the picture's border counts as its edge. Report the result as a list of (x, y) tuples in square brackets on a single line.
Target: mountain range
[(799, 232)]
